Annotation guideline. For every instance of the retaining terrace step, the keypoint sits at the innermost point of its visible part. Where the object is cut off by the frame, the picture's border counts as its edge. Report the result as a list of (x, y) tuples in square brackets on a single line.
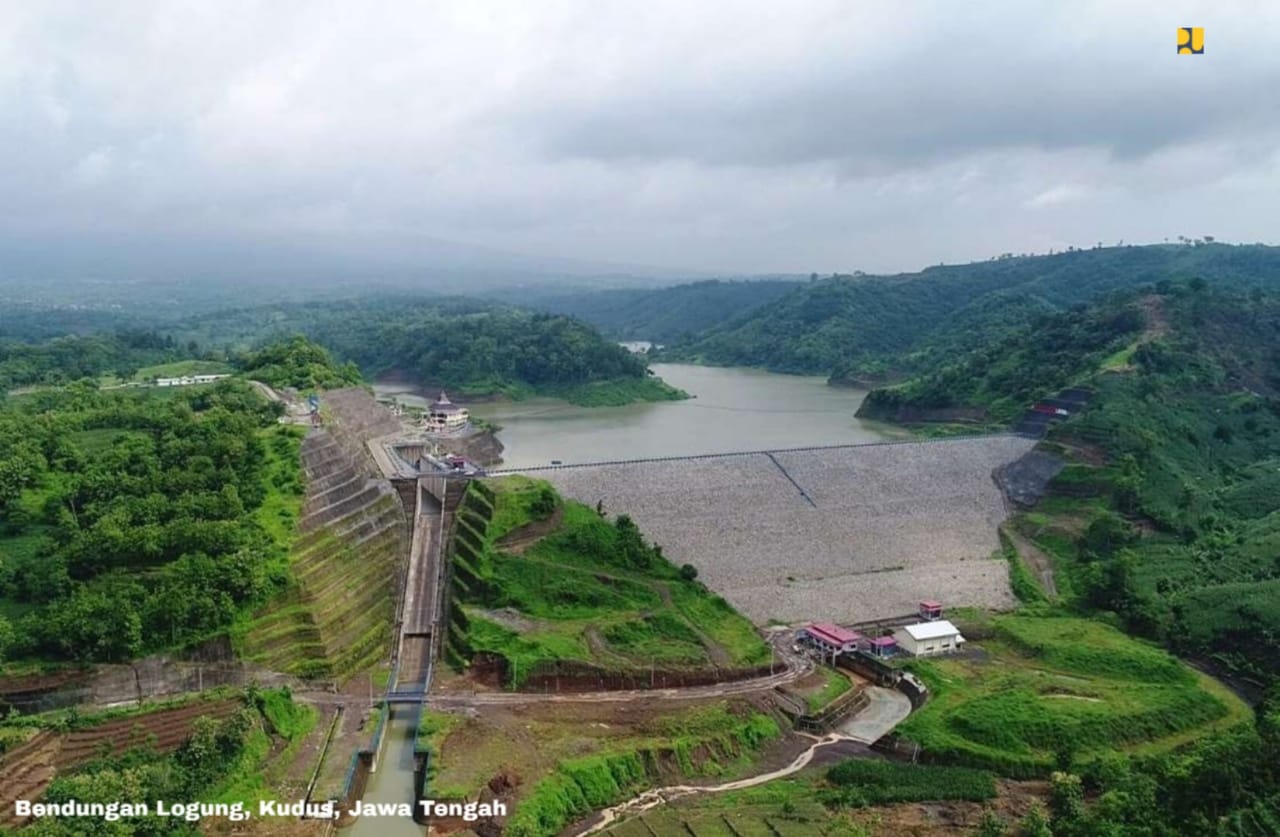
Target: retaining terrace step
[(318, 557), (332, 496), (369, 495), (322, 484), (375, 515)]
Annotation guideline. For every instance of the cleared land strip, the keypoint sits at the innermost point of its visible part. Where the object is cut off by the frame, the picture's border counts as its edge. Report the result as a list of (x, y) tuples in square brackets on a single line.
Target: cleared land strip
[(887, 525), (718, 690)]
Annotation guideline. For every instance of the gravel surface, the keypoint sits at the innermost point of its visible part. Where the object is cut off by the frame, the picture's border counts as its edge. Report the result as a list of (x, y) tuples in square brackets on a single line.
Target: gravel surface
[(878, 527)]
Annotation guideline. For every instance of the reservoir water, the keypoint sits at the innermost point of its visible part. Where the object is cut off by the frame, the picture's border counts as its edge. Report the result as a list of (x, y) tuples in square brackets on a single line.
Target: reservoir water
[(733, 410)]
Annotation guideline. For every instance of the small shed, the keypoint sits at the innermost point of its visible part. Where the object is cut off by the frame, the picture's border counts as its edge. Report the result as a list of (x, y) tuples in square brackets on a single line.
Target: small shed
[(929, 638), (883, 647), (930, 610)]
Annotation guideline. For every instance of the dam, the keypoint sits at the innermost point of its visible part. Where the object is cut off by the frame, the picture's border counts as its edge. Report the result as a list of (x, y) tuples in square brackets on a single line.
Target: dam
[(846, 534)]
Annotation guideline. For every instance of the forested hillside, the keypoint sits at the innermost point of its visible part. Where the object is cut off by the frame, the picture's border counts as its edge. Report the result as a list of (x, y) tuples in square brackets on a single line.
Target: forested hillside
[(665, 315), (1168, 512), (298, 363), (65, 359), (1165, 520), (853, 327), (465, 345), (135, 520)]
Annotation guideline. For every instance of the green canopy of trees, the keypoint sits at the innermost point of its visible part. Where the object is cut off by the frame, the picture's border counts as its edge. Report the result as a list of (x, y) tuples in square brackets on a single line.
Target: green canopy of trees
[(127, 518)]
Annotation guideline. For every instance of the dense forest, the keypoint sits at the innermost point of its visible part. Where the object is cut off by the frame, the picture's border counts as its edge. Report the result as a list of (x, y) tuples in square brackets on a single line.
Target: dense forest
[(298, 363), (134, 520), (464, 345), (65, 359), (469, 346), (858, 327)]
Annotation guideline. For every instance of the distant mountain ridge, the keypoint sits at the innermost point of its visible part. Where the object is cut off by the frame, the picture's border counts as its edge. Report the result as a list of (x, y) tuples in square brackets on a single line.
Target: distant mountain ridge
[(869, 326)]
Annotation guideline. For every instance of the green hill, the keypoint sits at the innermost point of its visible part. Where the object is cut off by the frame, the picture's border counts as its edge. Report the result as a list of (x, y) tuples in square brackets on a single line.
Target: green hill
[(464, 345), (852, 327), (1168, 510), (549, 586)]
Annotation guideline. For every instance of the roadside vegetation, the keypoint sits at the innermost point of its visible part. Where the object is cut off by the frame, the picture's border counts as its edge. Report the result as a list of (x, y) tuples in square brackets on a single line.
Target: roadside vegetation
[(835, 801), (548, 585)]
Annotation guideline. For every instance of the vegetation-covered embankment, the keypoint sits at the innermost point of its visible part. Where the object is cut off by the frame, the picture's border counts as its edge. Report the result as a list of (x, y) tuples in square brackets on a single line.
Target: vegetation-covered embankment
[(1049, 692), (552, 589), (337, 613)]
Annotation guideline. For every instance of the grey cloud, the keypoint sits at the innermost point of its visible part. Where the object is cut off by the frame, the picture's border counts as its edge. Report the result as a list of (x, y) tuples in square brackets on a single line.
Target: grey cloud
[(749, 136)]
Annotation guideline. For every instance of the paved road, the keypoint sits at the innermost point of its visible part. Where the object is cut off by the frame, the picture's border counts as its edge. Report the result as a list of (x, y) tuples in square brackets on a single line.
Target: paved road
[(887, 709)]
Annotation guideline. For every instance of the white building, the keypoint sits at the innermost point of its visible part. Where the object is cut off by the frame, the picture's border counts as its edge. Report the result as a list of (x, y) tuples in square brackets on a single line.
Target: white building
[(929, 638), (443, 416), (188, 380)]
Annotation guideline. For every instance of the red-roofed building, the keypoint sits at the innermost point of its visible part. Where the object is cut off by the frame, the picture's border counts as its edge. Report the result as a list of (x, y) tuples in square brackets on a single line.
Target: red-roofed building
[(830, 638), (930, 610)]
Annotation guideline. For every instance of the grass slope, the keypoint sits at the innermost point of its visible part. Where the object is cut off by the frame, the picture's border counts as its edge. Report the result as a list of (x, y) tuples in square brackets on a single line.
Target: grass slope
[(1047, 691), (581, 590)]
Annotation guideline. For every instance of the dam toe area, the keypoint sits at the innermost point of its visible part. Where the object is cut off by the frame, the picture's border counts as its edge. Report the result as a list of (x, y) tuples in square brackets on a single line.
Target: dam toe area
[(846, 534)]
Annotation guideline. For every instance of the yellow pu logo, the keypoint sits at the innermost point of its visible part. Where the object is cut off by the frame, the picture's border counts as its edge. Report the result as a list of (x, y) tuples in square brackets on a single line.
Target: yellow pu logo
[(1191, 40)]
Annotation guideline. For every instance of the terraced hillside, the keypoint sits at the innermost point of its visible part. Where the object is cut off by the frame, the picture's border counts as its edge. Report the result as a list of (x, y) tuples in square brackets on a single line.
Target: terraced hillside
[(346, 560), (27, 769)]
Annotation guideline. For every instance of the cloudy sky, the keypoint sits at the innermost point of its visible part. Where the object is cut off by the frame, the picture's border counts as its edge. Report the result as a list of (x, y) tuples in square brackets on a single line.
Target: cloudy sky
[(702, 136)]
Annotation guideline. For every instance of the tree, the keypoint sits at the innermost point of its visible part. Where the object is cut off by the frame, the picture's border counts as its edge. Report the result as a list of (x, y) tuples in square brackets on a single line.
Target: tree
[(1036, 824), (1066, 803), (1105, 535), (544, 505), (991, 825), (688, 572)]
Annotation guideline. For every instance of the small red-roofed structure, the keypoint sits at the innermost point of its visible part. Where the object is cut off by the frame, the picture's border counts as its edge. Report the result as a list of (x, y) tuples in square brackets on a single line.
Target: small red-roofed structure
[(930, 610)]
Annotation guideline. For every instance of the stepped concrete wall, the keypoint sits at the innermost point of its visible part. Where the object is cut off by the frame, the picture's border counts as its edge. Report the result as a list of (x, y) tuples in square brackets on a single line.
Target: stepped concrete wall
[(350, 553)]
